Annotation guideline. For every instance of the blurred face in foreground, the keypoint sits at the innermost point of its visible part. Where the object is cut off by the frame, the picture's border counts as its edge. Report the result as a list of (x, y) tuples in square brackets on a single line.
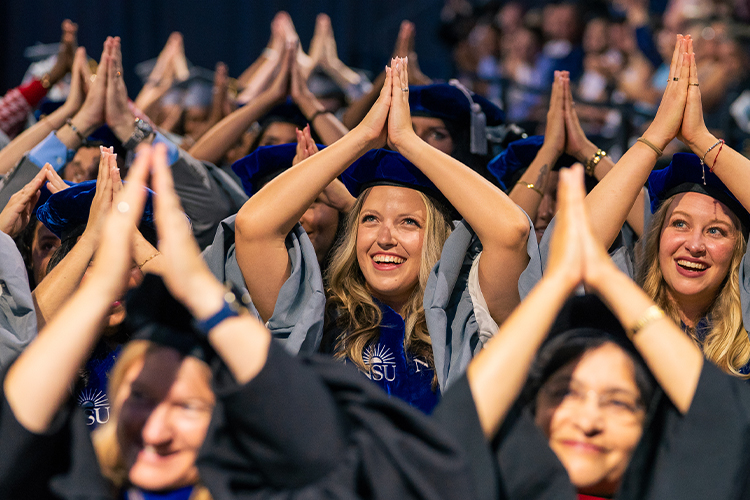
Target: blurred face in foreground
[(591, 411)]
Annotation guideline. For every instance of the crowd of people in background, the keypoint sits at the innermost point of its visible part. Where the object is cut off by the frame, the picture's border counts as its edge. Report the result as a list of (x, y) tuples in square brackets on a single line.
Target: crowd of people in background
[(311, 280)]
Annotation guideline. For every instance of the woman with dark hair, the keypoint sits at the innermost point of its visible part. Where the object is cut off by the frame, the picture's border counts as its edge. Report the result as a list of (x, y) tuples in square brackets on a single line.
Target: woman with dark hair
[(591, 386)]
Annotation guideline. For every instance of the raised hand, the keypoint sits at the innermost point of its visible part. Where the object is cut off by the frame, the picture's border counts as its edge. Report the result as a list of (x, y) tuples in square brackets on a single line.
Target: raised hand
[(405, 48), (693, 126), (17, 213), (91, 115), (118, 114), (79, 82), (279, 87), (66, 53), (668, 120), (184, 271), (399, 119), (555, 130), (114, 257), (101, 205), (566, 262), (375, 123), (576, 141), (55, 183), (306, 147)]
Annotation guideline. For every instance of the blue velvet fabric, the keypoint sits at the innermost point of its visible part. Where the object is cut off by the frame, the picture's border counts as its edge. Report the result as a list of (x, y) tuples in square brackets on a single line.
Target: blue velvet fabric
[(444, 101), (518, 156), (93, 396), (67, 209), (178, 494), (403, 376), (260, 166), (685, 174), (384, 167)]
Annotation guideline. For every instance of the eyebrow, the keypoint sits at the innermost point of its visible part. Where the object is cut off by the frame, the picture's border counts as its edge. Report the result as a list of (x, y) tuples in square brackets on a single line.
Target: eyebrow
[(712, 221)]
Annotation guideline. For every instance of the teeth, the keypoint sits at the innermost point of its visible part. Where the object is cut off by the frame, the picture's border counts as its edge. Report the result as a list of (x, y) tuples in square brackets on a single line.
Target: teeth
[(692, 265), (388, 259)]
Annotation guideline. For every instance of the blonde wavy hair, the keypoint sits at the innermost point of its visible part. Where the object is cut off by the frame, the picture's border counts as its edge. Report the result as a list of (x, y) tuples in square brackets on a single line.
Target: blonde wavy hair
[(106, 444), (726, 344), (353, 307)]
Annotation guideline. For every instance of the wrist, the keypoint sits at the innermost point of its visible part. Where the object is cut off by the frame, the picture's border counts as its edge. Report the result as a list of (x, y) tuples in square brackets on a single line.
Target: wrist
[(659, 142), (586, 152), (206, 298), (123, 131), (701, 144), (84, 125), (549, 153)]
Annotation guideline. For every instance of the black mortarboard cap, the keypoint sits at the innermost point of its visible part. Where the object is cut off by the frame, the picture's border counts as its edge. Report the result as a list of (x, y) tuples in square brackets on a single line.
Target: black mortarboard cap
[(154, 314)]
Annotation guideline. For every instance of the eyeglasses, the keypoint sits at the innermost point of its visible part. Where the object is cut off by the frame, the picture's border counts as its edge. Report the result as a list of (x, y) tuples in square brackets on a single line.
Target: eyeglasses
[(617, 404)]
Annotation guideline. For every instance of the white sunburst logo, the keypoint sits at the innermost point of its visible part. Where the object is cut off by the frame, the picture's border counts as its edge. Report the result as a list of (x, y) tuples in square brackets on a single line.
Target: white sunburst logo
[(96, 406), (381, 363), (378, 355)]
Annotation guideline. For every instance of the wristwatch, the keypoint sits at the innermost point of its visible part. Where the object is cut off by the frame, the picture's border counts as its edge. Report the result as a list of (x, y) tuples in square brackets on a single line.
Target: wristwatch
[(236, 303), (142, 130)]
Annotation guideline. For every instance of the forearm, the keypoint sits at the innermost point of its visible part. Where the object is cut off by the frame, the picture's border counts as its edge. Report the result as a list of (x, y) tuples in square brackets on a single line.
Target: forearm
[(529, 190), (58, 286), (274, 210), (214, 144), (497, 374), (495, 218), (39, 382), (359, 108), (671, 356), (635, 215), (13, 152), (612, 199), (730, 166)]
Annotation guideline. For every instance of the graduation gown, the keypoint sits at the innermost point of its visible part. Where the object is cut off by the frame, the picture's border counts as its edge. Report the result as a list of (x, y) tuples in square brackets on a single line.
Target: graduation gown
[(297, 320), (448, 306), (315, 428), (17, 312)]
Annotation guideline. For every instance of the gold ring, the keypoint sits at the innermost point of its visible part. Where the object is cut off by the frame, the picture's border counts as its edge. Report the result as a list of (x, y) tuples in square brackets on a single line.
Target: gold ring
[(675, 79), (405, 90), (92, 78), (694, 84)]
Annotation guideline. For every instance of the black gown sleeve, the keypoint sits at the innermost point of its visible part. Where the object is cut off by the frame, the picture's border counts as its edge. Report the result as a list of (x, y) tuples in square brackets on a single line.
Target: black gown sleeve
[(315, 428), (706, 452), (59, 464)]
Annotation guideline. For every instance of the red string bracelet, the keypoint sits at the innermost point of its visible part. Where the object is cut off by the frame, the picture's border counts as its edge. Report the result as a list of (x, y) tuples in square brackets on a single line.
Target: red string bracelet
[(717, 156)]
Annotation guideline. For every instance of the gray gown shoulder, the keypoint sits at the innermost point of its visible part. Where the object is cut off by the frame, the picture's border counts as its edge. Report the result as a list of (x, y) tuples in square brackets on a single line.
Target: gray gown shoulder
[(449, 309), (17, 313), (297, 319)]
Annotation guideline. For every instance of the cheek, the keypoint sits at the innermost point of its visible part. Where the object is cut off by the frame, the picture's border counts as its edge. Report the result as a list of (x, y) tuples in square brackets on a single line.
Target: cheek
[(721, 253)]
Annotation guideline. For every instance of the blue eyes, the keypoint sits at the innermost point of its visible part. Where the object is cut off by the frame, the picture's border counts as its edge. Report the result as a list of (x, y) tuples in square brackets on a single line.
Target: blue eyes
[(409, 221)]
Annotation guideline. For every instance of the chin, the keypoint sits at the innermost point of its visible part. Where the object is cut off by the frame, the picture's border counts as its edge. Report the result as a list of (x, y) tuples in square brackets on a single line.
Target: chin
[(158, 479)]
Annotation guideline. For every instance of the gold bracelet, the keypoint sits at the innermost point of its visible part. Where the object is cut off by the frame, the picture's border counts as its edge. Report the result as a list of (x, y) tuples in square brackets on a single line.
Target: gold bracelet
[(594, 161), (653, 313), (531, 186), (648, 143), (140, 266)]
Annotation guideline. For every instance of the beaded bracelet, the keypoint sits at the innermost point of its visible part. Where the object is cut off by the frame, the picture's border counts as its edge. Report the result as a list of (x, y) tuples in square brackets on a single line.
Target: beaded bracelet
[(594, 161), (703, 160), (69, 122)]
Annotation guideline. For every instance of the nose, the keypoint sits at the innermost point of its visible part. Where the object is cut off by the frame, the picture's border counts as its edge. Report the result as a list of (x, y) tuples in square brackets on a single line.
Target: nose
[(589, 417), (157, 429), (385, 236), (695, 243), (546, 208)]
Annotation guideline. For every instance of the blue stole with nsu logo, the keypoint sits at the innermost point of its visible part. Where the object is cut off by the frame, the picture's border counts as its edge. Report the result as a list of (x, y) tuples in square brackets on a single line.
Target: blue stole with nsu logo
[(406, 377)]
